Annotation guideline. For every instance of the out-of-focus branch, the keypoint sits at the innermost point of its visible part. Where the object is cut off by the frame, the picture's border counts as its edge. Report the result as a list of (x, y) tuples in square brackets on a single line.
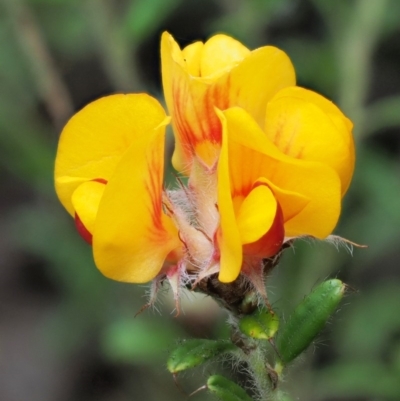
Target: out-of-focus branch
[(355, 52), (114, 49), (355, 34), (49, 83)]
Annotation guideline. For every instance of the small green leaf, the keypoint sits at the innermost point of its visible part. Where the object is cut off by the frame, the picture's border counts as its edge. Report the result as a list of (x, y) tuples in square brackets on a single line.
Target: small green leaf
[(226, 390), (308, 319), (192, 353), (262, 324)]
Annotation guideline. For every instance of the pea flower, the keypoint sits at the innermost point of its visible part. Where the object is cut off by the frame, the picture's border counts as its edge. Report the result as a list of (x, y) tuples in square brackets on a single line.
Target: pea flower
[(262, 162)]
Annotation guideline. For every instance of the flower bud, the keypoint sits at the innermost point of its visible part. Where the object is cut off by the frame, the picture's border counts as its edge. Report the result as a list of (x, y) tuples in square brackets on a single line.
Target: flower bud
[(308, 319), (262, 324)]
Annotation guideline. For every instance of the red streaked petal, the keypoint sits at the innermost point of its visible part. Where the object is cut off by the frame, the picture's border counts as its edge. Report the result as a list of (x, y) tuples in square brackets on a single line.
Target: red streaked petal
[(82, 230), (246, 79), (307, 126), (132, 235), (193, 117)]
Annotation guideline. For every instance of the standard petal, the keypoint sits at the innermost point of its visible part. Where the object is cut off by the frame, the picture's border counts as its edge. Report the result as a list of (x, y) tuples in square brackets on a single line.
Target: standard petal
[(132, 235), (245, 79), (256, 214), (196, 127), (192, 56), (254, 81), (252, 155), (305, 125), (94, 140), (221, 53), (228, 235)]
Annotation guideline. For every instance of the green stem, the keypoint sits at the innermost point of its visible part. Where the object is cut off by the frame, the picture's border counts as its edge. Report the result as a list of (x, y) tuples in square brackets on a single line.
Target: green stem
[(259, 369)]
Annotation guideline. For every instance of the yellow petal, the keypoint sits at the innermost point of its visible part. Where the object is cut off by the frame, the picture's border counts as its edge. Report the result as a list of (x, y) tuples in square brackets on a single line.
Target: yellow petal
[(252, 155), (94, 139), (305, 125), (228, 237), (221, 53), (292, 203), (85, 200), (249, 81), (254, 81), (190, 107), (132, 235), (256, 214), (192, 56)]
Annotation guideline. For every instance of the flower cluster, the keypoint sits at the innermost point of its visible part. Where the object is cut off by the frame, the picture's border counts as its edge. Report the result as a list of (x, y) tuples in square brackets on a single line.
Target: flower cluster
[(262, 161)]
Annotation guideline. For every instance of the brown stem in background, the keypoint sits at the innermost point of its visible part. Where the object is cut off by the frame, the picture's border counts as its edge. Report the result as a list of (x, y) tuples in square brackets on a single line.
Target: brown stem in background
[(49, 83)]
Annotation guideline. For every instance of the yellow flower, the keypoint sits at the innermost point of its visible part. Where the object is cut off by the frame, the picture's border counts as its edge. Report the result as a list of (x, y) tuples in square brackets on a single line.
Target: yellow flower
[(266, 161)]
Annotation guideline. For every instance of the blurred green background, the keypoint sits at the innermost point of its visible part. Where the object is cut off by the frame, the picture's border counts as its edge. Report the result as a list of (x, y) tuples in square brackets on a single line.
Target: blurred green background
[(69, 334)]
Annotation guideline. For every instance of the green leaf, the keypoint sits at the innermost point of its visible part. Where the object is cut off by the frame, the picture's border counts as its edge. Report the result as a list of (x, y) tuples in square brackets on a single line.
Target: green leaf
[(308, 319), (262, 324), (195, 352), (226, 390)]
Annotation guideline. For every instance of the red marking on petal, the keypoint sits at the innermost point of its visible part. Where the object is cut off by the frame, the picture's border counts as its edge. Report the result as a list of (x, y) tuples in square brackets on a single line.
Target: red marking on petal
[(154, 187), (82, 230), (100, 180), (216, 256), (195, 119), (181, 123)]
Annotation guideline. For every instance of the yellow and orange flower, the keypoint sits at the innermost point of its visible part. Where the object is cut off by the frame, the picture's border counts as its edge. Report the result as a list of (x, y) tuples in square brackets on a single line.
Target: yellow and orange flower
[(266, 161)]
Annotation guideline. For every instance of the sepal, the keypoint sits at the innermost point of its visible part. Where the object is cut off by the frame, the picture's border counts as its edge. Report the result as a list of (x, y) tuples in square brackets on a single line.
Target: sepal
[(262, 324)]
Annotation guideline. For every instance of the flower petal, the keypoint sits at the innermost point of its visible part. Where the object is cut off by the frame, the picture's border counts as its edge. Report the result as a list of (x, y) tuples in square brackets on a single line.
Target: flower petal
[(305, 125), (270, 243), (221, 53), (192, 56), (252, 156), (86, 199), (228, 235), (256, 214), (292, 203), (132, 235), (193, 117), (254, 81), (249, 83), (94, 140)]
